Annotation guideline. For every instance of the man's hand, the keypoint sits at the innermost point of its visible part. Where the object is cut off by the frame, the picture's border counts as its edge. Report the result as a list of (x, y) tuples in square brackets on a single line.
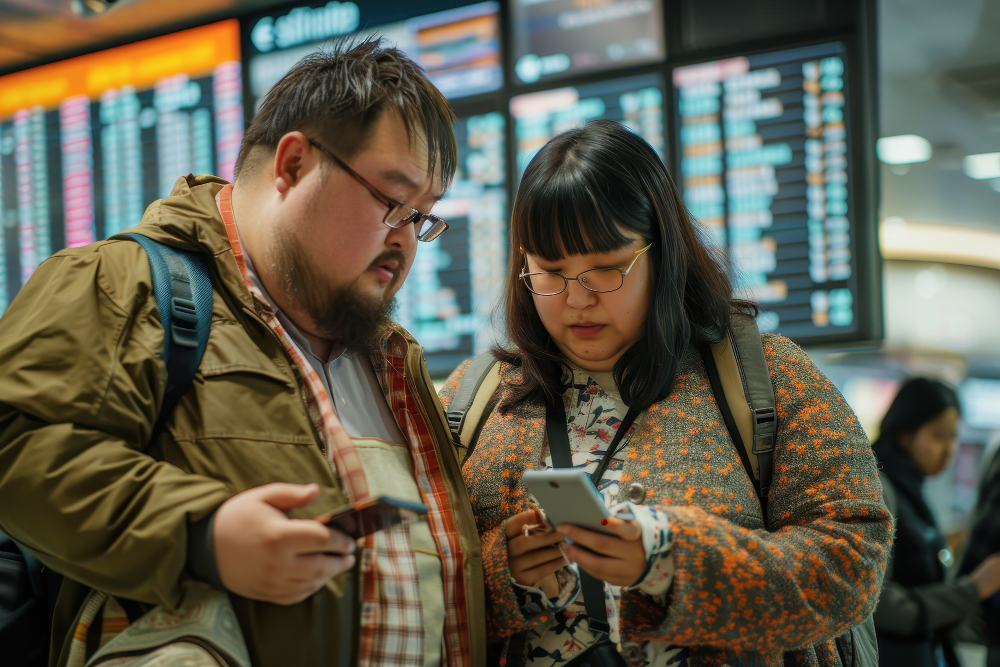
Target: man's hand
[(618, 559), (261, 554), (534, 559)]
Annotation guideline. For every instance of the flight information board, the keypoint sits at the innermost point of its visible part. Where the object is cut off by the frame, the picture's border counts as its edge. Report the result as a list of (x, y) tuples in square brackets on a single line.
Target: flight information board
[(765, 157), (558, 38), (87, 143), (458, 48), (456, 280), (636, 102)]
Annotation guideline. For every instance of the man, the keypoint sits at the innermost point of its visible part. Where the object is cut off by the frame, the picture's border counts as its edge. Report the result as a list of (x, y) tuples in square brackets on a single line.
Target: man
[(983, 546), (307, 398)]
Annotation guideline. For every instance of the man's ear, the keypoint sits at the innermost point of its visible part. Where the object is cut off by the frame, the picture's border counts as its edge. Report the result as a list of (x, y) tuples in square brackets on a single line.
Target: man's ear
[(293, 157)]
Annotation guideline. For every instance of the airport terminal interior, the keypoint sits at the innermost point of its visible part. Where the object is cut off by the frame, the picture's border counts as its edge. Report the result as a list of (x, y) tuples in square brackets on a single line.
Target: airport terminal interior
[(843, 154)]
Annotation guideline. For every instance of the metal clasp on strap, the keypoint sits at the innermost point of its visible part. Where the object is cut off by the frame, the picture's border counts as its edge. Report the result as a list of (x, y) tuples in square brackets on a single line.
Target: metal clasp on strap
[(595, 625), (183, 322), (764, 423)]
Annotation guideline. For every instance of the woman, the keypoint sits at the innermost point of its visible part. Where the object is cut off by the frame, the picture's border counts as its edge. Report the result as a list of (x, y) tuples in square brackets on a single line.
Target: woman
[(917, 607), (695, 578)]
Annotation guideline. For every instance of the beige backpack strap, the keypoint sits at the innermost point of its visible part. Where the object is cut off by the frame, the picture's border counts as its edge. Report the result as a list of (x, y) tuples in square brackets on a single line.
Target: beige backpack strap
[(741, 383), (475, 389), (732, 386)]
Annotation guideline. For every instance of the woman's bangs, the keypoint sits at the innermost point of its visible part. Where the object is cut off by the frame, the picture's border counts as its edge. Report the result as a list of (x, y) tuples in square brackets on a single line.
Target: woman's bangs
[(557, 220)]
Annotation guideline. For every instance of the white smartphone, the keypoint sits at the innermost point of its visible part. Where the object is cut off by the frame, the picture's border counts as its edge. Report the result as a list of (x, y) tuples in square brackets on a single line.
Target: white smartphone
[(569, 496)]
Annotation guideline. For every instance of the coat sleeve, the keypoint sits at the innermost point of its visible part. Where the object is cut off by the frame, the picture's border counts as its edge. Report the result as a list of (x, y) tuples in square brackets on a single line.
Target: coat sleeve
[(818, 571), (81, 381), (505, 614)]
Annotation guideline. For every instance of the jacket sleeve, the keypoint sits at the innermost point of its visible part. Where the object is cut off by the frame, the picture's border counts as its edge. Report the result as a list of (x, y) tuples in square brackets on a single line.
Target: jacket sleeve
[(910, 612), (985, 536), (81, 381), (819, 569)]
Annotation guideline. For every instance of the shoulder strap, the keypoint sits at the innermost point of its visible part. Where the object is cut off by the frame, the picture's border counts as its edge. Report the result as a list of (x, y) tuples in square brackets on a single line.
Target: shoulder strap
[(182, 286), (475, 390), (741, 383)]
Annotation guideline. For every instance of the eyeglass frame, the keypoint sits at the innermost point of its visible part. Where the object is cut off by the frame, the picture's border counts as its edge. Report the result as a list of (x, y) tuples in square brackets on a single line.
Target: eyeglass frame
[(413, 216), (525, 275)]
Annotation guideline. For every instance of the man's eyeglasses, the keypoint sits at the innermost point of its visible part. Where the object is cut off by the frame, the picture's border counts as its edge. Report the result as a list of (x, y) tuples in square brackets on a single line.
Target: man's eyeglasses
[(596, 280), (429, 227)]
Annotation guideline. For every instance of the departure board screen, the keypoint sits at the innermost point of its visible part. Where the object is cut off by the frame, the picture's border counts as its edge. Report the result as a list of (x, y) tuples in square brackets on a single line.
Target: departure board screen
[(765, 157), (636, 102), (448, 298), (458, 48), (87, 143), (556, 38)]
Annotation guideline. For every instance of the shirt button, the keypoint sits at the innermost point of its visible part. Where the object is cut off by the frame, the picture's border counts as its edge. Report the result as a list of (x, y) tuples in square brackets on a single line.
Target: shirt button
[(636, 493)]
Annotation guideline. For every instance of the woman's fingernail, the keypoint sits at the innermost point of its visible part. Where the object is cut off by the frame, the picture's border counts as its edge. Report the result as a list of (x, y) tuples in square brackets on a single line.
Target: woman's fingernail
[(604, 522)]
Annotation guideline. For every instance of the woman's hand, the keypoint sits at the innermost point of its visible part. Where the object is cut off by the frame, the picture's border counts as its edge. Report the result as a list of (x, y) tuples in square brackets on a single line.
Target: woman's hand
[(618, 559), (533, 559), (987, 576)]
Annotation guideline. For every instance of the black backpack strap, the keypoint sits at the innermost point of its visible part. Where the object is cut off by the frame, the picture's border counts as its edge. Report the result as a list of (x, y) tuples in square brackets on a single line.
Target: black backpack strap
[(467, 408), (182, 286), (562, 457)]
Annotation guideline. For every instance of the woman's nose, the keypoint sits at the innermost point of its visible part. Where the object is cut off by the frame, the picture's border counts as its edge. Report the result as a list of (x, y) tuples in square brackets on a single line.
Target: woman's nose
[(578, 296)]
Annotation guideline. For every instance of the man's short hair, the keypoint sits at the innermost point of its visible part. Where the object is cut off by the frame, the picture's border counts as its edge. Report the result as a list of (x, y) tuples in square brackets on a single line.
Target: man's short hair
[(336, 95)]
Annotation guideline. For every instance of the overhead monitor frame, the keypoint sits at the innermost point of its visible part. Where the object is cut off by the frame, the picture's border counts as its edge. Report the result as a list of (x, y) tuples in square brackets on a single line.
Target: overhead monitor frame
[(862, 121)]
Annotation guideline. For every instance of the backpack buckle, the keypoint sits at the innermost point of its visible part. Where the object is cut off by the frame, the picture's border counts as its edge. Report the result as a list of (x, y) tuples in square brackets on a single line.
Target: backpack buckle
[(765, 421), (183, 322)]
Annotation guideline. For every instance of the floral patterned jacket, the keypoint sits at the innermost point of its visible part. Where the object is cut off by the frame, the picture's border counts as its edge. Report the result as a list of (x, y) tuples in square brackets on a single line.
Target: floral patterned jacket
[(741, 594)]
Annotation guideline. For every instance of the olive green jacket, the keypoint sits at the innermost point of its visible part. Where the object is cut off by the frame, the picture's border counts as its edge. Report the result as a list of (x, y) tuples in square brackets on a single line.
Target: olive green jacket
[(81, 381)]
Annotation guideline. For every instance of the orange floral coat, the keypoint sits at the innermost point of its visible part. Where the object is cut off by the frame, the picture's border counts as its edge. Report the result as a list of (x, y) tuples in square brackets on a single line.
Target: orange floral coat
[(742, 594)]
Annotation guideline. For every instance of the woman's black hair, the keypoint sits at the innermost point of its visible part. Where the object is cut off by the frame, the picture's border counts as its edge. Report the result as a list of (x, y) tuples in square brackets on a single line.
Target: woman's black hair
[(918, 401), (577, 195)]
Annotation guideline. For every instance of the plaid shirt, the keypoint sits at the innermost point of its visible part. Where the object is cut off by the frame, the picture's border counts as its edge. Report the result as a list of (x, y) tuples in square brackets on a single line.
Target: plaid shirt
[(392, 631)]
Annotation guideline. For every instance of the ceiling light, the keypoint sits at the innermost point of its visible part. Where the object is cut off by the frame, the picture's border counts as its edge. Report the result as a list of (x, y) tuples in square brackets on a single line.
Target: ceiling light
[(982, 166), (903, 149)]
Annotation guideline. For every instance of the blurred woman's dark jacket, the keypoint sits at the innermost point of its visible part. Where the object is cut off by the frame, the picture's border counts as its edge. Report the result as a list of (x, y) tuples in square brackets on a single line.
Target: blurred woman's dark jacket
[(983, 541), (917, 608)]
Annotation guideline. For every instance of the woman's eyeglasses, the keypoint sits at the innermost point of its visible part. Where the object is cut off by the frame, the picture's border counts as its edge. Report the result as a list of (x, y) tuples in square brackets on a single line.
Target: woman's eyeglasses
[(596, 280), (429, 227)]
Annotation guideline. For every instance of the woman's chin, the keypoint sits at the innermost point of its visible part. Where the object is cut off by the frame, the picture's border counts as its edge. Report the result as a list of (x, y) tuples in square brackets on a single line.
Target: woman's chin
[(591, 360)]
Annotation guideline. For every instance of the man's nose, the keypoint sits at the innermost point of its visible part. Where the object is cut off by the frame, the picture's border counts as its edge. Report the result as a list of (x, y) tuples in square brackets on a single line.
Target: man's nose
[(402, 238)]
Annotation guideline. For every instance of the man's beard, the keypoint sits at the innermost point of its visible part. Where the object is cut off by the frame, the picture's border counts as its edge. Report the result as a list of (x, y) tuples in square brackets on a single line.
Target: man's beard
[(342, 315)]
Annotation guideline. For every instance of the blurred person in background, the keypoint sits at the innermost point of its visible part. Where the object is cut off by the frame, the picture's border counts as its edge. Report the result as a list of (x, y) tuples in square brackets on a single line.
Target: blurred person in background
[(984, 540), (919, 607), (611, 326)]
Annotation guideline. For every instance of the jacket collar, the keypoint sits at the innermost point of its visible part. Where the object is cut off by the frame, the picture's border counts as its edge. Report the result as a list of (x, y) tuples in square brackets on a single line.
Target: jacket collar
[(189, 219)]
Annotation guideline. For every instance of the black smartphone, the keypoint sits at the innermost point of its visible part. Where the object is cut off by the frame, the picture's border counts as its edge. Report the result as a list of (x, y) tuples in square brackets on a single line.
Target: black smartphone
[(375, 514)]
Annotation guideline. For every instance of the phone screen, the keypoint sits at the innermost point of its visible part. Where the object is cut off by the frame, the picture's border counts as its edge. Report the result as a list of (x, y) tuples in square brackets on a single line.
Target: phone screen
[(375, 514)]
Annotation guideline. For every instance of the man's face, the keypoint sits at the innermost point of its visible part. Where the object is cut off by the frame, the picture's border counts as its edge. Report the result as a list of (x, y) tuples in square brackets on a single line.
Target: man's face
[(337, 263)]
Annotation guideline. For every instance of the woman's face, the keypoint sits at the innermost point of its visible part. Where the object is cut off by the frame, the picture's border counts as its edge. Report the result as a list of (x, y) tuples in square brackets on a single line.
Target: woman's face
[(931, 446), (593, 329)]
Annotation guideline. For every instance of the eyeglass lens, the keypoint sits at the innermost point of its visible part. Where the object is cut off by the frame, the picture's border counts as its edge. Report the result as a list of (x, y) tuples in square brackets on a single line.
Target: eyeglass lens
[(596, 280), (428, 227)]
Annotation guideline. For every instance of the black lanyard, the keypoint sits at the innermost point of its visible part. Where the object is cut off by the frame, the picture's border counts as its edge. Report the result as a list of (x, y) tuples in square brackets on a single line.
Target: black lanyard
[(562, 457)]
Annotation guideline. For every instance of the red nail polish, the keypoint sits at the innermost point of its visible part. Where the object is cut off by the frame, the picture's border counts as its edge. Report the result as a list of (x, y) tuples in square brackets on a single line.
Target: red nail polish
[(604, 522)]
